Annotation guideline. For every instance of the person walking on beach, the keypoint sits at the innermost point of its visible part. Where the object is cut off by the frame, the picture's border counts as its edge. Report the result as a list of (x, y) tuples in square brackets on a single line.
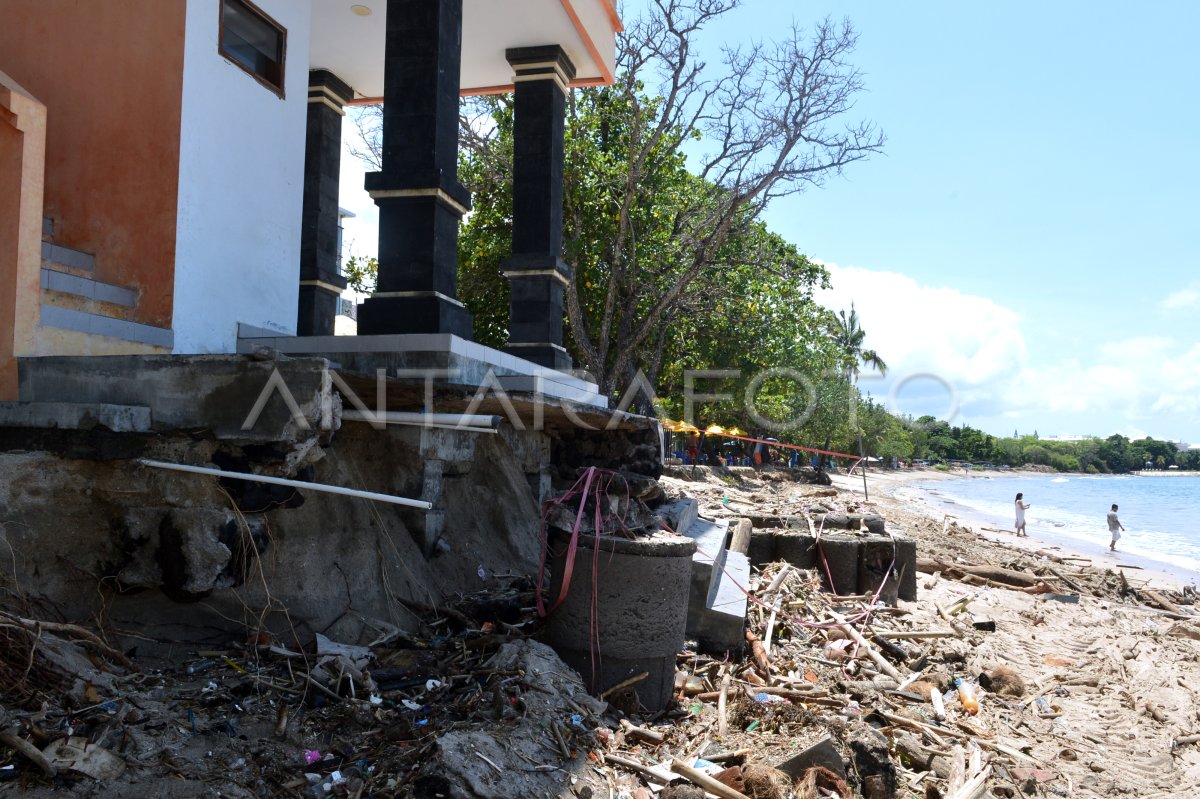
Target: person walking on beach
[(1021, 506), (1115, 527)]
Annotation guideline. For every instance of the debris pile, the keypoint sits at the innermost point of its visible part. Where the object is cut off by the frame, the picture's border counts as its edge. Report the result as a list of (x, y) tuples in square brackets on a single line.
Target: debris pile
[(1013, 674)]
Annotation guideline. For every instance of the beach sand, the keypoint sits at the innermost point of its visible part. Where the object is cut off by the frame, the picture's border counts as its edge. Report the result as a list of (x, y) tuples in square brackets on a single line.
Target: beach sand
[(1116, 681)]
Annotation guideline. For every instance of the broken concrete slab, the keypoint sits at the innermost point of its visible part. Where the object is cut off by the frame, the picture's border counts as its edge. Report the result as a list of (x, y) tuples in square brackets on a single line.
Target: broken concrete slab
[(710, 538), (723, 622)]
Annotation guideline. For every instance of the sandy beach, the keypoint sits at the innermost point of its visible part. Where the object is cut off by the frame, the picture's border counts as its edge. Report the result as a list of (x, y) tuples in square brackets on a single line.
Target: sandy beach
[(1108, 682)]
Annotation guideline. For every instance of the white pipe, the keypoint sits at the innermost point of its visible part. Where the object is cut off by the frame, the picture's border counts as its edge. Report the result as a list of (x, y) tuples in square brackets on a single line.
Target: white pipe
[(282, 481), (356, 416), (463, 420)]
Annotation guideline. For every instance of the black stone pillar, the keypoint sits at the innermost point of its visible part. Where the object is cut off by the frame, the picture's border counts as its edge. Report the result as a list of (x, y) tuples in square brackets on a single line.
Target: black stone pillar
[(417, 190), (536, 271), (320, 283)]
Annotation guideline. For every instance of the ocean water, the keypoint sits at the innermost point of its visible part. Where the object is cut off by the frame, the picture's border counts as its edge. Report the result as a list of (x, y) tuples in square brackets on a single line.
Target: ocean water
[(1161, 514)]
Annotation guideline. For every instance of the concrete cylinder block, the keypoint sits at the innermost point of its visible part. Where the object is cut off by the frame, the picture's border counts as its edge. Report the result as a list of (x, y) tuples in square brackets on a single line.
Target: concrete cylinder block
[(841, 555), (833, 521), (906, 568), (797, 549), (875, 555), (762, 547), (641, 606)]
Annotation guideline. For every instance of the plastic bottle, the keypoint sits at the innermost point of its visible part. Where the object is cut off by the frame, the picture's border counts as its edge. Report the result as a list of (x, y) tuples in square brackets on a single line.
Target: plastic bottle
[(968, 696)]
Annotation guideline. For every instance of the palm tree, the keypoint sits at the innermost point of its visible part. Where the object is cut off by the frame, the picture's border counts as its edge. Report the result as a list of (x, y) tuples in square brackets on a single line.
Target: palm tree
[(849, 336)]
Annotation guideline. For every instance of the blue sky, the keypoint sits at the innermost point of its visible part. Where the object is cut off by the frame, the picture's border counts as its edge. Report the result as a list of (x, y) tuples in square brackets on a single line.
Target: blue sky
[(1029, 235)]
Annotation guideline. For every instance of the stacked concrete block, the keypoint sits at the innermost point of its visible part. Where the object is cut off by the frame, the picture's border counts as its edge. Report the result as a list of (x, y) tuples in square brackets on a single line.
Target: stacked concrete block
[(855, 560)]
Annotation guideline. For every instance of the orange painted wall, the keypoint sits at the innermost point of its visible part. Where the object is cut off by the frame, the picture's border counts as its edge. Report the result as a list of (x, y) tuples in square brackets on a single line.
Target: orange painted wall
[(11, 168), (111, 76)]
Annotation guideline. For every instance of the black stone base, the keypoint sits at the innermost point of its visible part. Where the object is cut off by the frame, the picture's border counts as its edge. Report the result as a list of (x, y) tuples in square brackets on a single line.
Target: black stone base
[(549, 356), (399, 315), (316, 313)]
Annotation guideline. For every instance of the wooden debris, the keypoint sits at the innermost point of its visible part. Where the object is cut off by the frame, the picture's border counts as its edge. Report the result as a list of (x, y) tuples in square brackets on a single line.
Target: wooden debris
[(758, 654), (863, 644), (10, 739), (1165, 603), (702, 780), (642, 733), (623, 684)]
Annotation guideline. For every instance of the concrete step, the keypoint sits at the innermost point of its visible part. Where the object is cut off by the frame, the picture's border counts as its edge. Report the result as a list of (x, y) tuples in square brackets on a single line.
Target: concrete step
[(70, 290), (65, 259), (72, 299), (723, 623)]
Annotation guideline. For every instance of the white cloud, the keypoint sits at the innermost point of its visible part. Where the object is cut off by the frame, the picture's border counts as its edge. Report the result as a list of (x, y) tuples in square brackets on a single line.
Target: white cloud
[(968, 342), (979, 348), (1187, 297)]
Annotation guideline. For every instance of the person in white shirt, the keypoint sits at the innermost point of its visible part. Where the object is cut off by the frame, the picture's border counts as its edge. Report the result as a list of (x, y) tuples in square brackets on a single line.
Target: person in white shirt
[(1115, 527), (1021, 506)]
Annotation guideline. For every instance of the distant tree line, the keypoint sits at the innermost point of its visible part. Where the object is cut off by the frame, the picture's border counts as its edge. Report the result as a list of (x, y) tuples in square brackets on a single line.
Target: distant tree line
[(934, 439)]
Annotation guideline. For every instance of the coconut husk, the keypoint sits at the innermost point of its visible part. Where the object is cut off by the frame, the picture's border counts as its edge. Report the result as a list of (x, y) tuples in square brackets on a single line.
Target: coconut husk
[(764, 782), (1003, 681), (821, 778)]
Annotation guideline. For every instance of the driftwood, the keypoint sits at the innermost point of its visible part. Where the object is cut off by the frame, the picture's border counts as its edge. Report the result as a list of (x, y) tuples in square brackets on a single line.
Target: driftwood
[(924, 758), (10, 739), (1074, 586), (77, 633), (1164, 603), (872, 653), (647, 735), (739, 541), (722, 714), (702, 780), (912, 635), (994, 573), (634, 766), (623, 684)]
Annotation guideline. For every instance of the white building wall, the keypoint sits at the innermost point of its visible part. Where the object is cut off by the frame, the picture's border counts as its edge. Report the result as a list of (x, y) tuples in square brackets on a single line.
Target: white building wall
[(241, 178)]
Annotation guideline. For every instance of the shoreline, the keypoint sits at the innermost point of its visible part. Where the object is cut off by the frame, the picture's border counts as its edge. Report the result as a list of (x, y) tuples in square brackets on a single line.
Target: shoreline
[(904, 489)]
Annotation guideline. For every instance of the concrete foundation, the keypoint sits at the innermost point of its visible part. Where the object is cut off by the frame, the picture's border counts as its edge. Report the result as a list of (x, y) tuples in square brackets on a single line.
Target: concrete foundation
[(638, 590), (195, 560)]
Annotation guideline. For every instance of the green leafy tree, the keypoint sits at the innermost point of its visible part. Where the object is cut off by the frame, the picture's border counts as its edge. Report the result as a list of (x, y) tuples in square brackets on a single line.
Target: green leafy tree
[(667, 174)]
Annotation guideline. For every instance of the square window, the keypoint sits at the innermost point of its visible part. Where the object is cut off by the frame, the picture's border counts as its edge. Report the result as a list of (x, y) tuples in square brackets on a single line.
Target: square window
[(253, 41)]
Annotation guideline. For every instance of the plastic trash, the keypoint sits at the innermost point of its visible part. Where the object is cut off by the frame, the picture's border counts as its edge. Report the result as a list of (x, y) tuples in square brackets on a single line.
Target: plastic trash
[(767, 699), (311, 756), (968, 696)]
